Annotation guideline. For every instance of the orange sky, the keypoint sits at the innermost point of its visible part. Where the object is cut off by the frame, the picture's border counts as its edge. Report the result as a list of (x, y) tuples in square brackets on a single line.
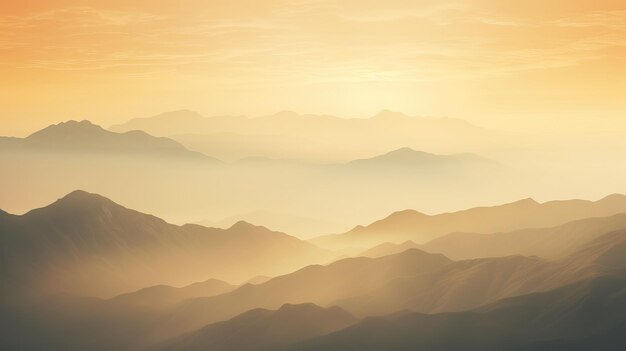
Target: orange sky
[(518, 64)]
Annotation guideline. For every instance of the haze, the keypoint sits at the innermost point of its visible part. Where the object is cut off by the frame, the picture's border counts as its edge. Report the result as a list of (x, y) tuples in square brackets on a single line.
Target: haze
[(535, 65), (292, 175)]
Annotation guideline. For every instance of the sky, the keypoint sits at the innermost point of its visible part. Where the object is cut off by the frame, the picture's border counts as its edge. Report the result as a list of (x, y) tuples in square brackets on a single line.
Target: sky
[(548, 65)]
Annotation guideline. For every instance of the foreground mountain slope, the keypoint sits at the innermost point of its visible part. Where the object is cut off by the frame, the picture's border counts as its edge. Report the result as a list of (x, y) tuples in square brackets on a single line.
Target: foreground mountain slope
[(420, 228), (63, 246), (530, 322), (262, 329)]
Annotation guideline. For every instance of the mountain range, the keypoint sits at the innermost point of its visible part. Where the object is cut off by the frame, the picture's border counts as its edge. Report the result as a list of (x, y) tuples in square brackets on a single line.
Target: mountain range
[(522, 302), (421, 228), (61, 247), (86, 137), (287, 134)]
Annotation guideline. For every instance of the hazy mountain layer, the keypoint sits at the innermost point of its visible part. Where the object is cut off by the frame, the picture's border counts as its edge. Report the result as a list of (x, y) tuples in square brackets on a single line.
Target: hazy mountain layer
[(314, 137), (551, 242), (420, 228)]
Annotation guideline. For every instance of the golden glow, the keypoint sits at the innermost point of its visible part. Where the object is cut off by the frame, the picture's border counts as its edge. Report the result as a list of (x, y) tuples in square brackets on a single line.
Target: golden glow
[(496, 63)]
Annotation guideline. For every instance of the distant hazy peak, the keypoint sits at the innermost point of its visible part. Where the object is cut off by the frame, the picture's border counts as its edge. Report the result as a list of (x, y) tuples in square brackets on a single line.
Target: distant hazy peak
[(176, 114), (613, 197), (70, 126), (286, 114), (83, 200), (387, 114), (410, 213), (243, 225)]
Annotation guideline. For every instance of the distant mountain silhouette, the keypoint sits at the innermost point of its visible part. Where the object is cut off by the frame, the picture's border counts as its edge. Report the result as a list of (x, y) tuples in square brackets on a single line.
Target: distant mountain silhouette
[(85, 137), (408, 158), (262, 329), (420, 228), (63, 246), (290, 135)]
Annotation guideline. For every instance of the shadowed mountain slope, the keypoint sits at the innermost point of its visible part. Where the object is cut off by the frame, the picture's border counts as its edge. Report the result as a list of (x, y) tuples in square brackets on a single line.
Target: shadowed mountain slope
[(63, 246), (551, 320), (262, 329)]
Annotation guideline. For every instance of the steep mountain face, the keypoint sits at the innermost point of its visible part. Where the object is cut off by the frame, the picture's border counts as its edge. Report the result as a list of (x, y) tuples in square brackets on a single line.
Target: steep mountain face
[(554, 242), (85, 137), (262, 329), (61, 247), (531, 322), (421, 228)]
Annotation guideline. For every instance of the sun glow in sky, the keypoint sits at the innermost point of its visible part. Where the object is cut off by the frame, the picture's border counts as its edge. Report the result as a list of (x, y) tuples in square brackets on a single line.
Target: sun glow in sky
[(525, 64)]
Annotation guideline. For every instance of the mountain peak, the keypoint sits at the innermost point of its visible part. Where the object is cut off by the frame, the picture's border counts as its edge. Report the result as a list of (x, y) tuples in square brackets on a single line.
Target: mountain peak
[(614, 197), (286, 114), (526, 201), (386, 114), (83, 198), (242, 225), (68, 128)]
